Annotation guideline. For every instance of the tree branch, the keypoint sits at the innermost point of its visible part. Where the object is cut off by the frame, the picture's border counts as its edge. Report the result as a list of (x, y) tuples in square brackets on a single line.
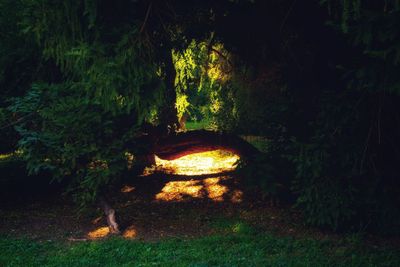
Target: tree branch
[(146, 17)]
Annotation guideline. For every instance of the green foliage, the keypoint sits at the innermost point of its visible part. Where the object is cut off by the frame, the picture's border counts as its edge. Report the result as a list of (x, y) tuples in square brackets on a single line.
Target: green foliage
[(257, 101), (374, 28), (339, 135), (197, 79), (209, 87), (334, 137), (114, 65), (70, 134), (326, 201), (326, 166), (260, 174), (343, 181), (19, 65), (108, 81), (345, 169), (100, 69), (19, 56)]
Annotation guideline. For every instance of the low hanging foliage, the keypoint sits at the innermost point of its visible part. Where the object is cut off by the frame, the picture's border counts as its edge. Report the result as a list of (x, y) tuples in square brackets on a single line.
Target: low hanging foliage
[(199, 76), (78, 127), (115, 66), (73, 136)]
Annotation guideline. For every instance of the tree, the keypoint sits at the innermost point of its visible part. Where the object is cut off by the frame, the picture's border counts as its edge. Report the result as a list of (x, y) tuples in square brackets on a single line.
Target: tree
[(111, 73), (115, 72), (114, 76)]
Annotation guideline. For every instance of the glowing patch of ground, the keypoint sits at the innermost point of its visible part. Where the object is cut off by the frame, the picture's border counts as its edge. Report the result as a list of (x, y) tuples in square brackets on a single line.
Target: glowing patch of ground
[(214, 190), (180, 190), (130, 233), (99, 233), (209, 162), (104, 231)]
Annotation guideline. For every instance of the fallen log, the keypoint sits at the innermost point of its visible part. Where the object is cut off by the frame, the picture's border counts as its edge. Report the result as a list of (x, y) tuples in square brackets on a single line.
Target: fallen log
[(184, 143)]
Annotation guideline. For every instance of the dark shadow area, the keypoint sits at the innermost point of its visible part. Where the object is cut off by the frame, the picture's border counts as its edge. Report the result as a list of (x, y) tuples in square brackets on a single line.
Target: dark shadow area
[(17, 188)]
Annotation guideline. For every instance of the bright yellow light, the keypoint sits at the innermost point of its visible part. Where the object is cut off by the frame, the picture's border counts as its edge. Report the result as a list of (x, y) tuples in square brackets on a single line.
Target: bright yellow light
[(176, 191), (130, 232), (104, 231), (207, 188), (209, 162), (214, 189), (99, 232)]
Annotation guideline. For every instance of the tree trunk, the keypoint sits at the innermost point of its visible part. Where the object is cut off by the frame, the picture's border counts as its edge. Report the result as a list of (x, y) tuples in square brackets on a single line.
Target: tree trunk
[(168, 115), (110, 216)]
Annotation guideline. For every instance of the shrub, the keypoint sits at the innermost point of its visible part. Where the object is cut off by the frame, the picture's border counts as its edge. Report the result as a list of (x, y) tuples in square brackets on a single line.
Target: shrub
[(70, 134)]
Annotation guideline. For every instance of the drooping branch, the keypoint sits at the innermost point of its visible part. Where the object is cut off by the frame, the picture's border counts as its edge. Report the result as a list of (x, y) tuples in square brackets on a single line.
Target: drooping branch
[(146, 17)]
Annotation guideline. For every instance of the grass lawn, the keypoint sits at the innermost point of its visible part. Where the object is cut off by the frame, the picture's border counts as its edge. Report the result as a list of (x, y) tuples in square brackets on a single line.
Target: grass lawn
[(242, 247), (198, 125)]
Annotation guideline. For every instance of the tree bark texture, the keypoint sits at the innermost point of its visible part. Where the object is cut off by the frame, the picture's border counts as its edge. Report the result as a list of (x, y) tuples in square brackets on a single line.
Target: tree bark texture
[(110, 216), (184, 143)]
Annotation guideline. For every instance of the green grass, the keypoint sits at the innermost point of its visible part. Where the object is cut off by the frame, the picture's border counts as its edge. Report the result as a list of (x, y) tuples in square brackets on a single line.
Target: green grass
[(258, 141), (238, 248), (197, 125)]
